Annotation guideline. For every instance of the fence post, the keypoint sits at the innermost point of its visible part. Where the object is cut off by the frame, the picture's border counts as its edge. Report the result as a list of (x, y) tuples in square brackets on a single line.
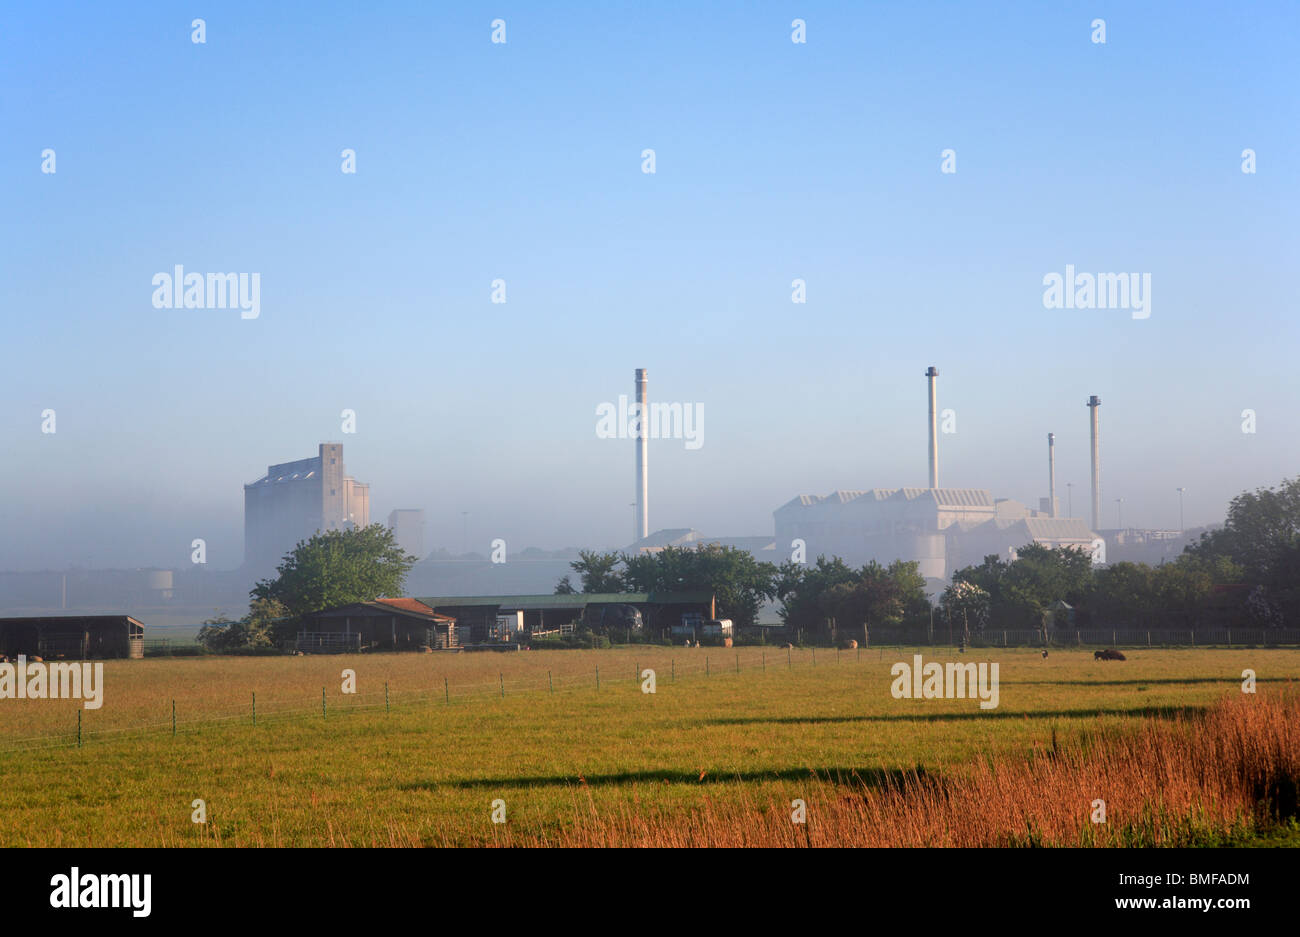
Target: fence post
[(738, 662), (814, 650), (446, 691), (386, 708), (598, 676), (765, 662), (1113, 640), (322, 702), (706, 665), (673, 664), (502, 679), (789, 659), (1193, 637), (78, 728), (549, 682), (1148, 639), (173, 718), (255, 709)]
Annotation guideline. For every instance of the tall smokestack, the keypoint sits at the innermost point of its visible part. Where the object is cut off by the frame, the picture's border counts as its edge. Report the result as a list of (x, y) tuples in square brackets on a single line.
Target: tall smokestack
[(1051, 473), (642, 467), (931, 374), (1094, 403)]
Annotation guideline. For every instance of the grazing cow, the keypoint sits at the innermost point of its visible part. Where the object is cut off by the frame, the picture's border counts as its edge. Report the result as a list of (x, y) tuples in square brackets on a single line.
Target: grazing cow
[(1109, 654)]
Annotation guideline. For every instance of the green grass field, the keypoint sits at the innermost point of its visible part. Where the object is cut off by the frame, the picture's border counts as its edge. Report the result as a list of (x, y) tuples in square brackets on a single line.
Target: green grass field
[(423, 770)]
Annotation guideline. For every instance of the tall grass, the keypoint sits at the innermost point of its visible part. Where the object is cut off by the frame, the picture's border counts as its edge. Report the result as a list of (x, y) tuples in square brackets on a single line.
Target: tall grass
[(1200, 779)]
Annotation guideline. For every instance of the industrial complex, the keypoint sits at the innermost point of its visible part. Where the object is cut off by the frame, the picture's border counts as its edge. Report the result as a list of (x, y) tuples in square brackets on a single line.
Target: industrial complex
[(941, 529)]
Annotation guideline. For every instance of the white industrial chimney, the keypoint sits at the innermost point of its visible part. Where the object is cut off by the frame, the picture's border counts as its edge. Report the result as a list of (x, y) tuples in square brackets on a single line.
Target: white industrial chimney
[(1094, 404), (642, 469), (931, 374), (1051, 473)]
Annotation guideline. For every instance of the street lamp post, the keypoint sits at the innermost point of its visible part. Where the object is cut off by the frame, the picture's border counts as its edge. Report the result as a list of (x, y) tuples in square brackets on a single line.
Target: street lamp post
[(1069, 499), (1119, 513), (1181, 527)]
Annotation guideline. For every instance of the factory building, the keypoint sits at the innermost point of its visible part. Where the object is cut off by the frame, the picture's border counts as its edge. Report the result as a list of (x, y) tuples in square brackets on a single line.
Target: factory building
[(295, 500), (407, 525), (943, 529)]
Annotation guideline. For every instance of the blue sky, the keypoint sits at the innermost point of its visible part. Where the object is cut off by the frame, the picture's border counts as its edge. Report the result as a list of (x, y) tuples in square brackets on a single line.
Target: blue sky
[(522, 161)]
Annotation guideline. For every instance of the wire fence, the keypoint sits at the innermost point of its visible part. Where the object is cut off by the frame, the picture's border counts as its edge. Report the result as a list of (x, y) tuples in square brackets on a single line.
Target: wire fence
[(442, 692), (261, 710), (1120, 637)]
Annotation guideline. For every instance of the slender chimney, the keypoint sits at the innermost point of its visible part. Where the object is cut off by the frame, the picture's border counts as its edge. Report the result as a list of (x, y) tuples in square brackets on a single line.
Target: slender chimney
[(642, 468), (1094, 403), (1051, 473), (931, 374)]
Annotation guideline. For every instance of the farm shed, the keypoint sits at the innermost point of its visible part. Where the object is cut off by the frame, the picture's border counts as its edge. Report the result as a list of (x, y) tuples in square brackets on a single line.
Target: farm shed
[(381, 625), (72, 637), (542, 614)]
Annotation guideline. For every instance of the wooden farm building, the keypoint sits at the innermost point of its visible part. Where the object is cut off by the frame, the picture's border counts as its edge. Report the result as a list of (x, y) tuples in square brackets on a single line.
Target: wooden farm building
[(381, 625), (491, 618), (72, 637)]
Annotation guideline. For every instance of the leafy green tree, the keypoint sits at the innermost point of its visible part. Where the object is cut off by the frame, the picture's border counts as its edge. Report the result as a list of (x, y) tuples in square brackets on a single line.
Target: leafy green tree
[(1259, 533), (334, 568), (257, 630), (1261, 536), (598, 572), (1125, 595), (832, 601), (740, 583), (966, 608), (565, 587), (804, 591)]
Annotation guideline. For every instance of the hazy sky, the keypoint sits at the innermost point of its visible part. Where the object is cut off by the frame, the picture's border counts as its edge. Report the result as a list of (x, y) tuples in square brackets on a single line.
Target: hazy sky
[(523, 161)]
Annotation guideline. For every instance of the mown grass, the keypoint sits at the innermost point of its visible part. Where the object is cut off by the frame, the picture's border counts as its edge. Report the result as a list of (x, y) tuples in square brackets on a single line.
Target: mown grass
[(706, 759)]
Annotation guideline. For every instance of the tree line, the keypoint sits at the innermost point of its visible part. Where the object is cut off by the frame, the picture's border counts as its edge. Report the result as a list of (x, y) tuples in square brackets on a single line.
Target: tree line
[(1245, 573)]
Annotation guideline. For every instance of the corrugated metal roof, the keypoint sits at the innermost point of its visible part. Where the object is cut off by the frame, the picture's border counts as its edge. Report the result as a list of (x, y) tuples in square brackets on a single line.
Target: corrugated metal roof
[(577, 600), (945, 497), (1059, 528)]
